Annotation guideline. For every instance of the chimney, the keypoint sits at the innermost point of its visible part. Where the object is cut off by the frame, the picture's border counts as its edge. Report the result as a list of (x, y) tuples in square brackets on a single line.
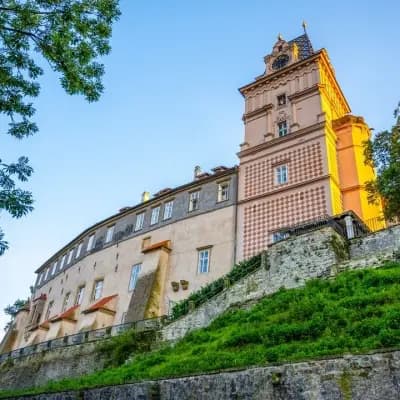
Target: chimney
[(197, 171), (145, 196)]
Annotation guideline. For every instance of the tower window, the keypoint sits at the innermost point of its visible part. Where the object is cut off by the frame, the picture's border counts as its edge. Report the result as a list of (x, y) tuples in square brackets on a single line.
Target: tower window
[(282, 128), (281, 99), (281, 174)]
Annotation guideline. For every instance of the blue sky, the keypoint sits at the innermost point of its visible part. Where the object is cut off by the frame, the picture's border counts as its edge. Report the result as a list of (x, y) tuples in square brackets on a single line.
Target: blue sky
[(171, 102)]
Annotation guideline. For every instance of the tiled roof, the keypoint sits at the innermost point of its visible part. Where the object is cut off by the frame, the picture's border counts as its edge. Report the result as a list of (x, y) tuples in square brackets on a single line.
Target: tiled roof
[(166, 244), (68, 314), (99, 304), (42, 296), (304, 44)]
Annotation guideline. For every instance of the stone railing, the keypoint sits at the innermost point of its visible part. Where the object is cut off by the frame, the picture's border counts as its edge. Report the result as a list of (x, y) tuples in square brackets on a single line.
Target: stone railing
[(85, 337)]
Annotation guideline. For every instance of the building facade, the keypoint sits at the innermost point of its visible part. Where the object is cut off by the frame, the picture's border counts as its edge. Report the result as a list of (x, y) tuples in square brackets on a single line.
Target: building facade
[(302, 158)]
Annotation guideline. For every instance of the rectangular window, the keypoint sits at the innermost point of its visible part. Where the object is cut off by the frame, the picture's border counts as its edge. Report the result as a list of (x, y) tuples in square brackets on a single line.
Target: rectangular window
[(223, 191), (203, 266), (168, 207), (66, 300), (90, 242), (155, 213), (47, 273), (98, 289), (110, 233), (282, 128), (78, 251), (281, 174), (281, 100), (70, 256), (63, 261), (194, 200), (139, 221), (134, 276), (79, 295), (49, 308), (54, 268)]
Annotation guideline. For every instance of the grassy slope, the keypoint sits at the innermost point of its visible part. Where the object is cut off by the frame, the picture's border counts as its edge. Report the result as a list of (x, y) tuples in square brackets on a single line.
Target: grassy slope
[(356, 312)]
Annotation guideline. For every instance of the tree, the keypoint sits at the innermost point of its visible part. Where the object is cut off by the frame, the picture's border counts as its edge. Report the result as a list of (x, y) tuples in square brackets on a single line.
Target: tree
[(71, 35), (383, 153), (12, 310)]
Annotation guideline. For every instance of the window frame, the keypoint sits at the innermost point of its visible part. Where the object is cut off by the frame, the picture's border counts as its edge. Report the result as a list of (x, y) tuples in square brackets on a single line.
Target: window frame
[(62, 262), (279, 97), (90, 243), (194, 195), (78, 250), (96, 282), (79, 295), (133, 278), (48, 311), (283, 130), (200, 260), (69, 259), (139, 223), (168, 206), (155, 215), (109, 233), (65, 301), (227, 184), (279, 174)]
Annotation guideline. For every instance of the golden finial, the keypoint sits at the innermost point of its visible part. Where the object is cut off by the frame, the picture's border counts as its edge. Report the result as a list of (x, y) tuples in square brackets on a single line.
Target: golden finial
[(304, 25)]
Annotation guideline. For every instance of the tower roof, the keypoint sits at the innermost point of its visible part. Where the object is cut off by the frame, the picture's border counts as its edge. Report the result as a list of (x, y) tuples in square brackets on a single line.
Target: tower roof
[(303, 42)]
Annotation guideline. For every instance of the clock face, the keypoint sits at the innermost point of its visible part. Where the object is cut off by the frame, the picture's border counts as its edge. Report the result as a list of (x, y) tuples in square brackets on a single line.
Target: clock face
[(280, 61)]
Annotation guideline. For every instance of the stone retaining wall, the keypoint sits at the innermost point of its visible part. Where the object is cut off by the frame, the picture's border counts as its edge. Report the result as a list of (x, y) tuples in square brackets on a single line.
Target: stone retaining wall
[(39, 368), (361, 377)]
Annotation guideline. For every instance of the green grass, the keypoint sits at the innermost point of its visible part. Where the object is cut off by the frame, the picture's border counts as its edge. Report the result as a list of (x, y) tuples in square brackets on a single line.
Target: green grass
[(356, 312)]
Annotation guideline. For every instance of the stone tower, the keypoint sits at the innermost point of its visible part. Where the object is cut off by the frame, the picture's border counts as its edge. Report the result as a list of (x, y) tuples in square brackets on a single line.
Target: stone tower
[(302, 152)]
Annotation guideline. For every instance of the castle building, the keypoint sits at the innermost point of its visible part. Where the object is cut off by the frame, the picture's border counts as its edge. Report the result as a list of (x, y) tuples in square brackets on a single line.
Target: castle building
[(301, 159)]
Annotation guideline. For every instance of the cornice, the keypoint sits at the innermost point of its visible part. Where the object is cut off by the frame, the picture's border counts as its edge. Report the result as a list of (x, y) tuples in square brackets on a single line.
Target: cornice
[(312, 89), (286, 188), (283, 139), (260, 110), (288, 69)]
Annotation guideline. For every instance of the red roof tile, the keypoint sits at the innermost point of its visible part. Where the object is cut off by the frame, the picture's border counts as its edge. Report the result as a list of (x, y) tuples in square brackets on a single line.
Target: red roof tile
[(99, 304), (68, 314), (164, 244)]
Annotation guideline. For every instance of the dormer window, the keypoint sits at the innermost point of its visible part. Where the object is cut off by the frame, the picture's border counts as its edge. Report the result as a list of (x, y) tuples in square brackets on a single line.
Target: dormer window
[(282, 128), (281, 99)]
